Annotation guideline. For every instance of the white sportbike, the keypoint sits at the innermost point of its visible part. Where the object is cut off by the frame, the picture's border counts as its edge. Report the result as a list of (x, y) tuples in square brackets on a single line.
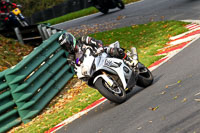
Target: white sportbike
[(112, 77)]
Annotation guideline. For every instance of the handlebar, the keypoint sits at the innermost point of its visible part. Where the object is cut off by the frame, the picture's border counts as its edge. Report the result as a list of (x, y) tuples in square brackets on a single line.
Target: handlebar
[(19, 6)]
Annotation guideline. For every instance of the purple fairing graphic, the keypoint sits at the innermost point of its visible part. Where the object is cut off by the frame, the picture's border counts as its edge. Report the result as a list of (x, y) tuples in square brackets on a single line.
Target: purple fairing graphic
[(77, 60)]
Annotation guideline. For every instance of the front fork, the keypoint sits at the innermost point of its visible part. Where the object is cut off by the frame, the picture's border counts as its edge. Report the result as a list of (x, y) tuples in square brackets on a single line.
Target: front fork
[(140, 68)]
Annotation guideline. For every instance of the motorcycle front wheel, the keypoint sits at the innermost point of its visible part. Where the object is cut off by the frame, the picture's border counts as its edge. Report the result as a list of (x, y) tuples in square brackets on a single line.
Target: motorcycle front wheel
[(120, 4), (145, 77), (24, 23), (115, 94)]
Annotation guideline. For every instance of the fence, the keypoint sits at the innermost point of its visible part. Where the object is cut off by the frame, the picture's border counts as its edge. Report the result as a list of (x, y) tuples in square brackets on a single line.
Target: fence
[(59, 10), (28, 87), (33, 35), (9, 116)]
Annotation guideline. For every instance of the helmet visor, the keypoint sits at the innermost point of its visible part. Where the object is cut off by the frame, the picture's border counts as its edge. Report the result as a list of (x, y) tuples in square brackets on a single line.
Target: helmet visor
[(69, 41)]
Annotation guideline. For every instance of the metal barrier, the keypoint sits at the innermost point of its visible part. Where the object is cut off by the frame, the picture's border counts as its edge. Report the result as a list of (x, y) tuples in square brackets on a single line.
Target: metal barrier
[(9, 116), (33, 35), (29, 86), (46, 31)]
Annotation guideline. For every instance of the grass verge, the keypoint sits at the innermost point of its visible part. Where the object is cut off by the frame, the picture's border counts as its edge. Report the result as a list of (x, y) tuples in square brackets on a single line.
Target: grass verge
[(78, 14), (148, 38)]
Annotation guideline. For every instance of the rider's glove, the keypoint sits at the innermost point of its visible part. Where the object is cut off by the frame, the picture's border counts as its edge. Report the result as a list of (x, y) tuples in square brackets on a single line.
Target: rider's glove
[(19, 6), (99, 50), (85, 39)]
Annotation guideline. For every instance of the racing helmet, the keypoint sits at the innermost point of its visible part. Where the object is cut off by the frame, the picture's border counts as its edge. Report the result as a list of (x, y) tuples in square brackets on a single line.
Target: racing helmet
[(68, 41)]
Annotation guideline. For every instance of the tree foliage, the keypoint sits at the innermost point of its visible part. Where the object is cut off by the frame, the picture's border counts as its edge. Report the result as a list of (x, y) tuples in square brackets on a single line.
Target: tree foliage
[(32, 6)]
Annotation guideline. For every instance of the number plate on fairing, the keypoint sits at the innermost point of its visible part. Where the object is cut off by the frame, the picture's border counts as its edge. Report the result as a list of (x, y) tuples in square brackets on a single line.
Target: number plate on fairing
[(111, 63), (16, 11)]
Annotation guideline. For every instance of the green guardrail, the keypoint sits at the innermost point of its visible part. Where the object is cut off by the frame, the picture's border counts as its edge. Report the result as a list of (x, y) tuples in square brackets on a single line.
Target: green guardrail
[(29, 86), (9, 115)]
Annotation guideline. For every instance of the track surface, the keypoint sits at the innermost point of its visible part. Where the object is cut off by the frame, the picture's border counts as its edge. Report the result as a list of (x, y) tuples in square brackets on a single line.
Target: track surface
[(169, 105), (137, 13)]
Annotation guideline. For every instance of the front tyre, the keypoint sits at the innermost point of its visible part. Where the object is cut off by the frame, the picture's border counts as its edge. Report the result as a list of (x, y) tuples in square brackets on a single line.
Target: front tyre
[(116, 95), (145, 77), (120, 4)]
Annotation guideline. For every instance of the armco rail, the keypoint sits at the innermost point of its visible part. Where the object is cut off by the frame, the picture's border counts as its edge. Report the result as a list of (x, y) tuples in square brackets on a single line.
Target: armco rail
[(27, 88), (9, 116)]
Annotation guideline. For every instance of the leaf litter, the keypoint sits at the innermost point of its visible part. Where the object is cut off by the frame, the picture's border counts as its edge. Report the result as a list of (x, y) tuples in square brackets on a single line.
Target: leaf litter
[(154, 108), (178, 82), (184, 100)]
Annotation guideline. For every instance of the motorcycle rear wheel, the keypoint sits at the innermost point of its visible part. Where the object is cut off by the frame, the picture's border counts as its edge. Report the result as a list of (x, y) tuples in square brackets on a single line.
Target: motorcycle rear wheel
[(103, 88), (104, 10), (145, 78)]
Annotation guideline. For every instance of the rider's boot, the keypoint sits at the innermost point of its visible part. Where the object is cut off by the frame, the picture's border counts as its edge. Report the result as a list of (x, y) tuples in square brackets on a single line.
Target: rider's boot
[(132, 61)]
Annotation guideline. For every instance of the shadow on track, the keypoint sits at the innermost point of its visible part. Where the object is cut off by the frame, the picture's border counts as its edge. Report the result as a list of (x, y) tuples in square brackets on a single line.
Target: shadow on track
[(109, 13)]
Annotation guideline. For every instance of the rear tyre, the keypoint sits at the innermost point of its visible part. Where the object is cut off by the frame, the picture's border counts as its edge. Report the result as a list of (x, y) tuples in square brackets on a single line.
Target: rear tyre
[(105, 90), (104, 10), (145, 77)]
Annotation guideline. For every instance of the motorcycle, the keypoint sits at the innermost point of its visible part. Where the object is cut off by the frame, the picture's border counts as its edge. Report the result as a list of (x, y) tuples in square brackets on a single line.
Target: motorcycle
[(17, 19), (13, 19), (113, 78), (104, 5)]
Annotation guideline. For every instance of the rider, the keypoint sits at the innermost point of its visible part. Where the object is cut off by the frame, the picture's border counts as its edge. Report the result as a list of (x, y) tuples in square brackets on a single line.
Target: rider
[(77, 47), (5, 4), (5, 9)]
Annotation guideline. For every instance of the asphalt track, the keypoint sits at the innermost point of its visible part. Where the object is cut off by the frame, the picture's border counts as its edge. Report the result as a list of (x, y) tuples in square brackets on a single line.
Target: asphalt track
[(171, 104), (138, 13)]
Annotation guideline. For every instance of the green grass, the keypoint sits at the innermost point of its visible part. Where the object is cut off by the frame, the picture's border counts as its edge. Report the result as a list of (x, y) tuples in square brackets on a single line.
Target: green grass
[(78, 14), (73, 15), (148, 38)]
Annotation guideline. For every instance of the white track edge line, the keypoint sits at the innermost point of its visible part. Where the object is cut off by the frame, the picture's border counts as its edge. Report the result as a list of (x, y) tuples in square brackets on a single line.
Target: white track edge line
[(183, 34)]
